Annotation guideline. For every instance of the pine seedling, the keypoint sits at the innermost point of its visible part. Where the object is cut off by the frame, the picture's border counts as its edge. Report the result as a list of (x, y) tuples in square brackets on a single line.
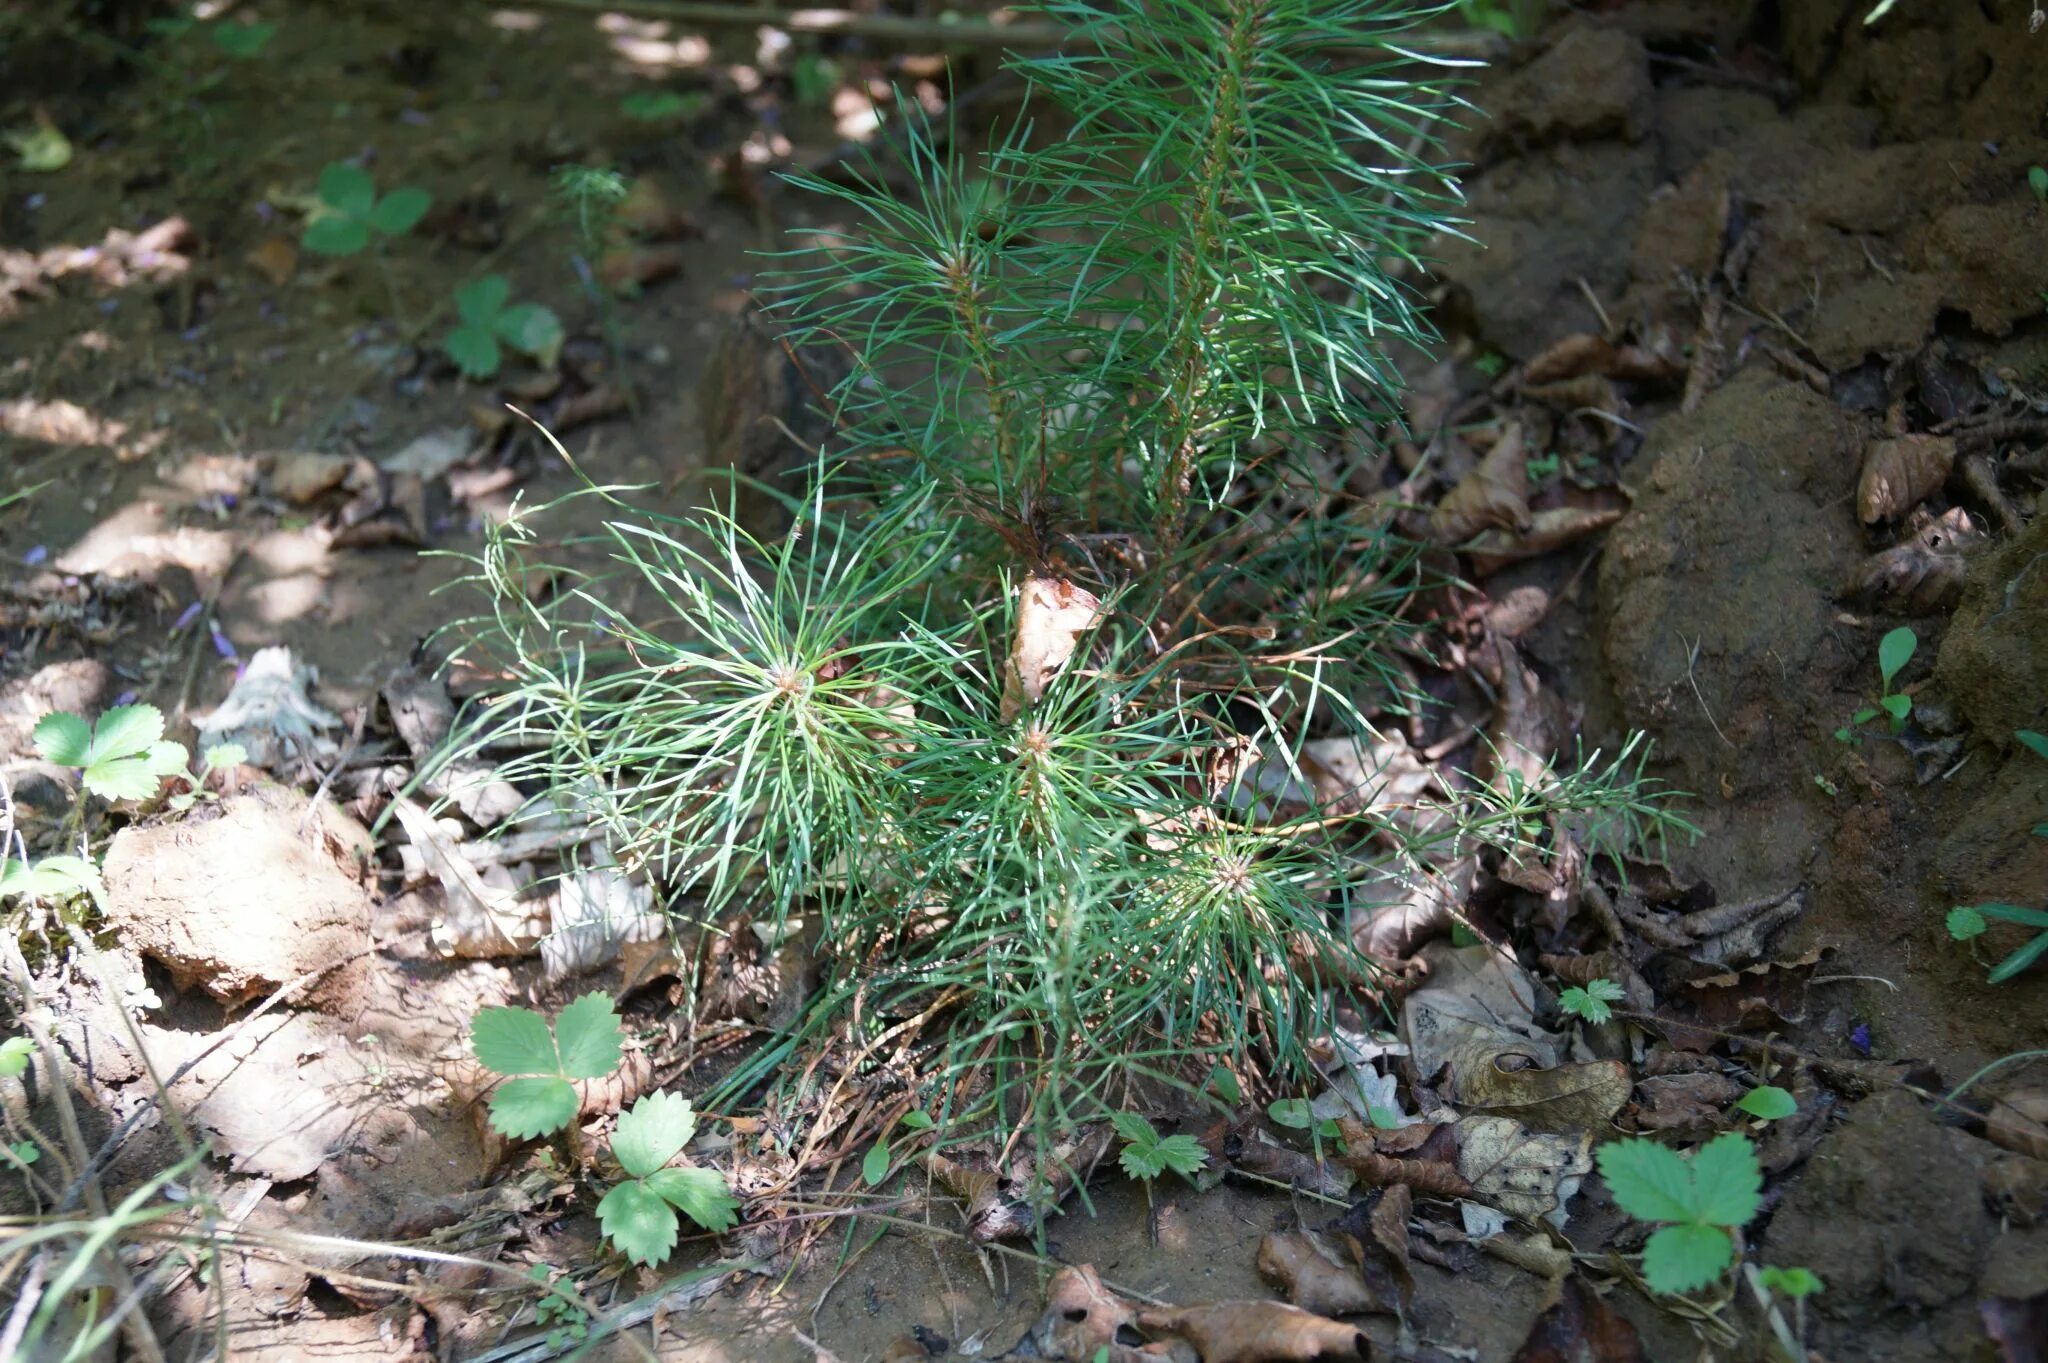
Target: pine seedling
[(541, 1063), (638, 1215), (1147, 1154), (1696, 1204)]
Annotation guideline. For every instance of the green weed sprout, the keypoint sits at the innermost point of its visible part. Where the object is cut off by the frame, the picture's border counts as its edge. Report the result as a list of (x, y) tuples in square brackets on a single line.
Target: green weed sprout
[(1147, 1154), (1967, 922), (1592, 1002), (243, 42), (1696, 1204), (566, 1321), (638, 1215), (1794, 1284), (123, 756), (541, 1063), (349, 214), (489, 317), (663, 106), (2037, 180), (1768, 1103)]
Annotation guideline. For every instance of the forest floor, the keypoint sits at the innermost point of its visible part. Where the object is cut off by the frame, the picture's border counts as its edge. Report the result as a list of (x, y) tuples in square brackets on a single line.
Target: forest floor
[(1726, 259)]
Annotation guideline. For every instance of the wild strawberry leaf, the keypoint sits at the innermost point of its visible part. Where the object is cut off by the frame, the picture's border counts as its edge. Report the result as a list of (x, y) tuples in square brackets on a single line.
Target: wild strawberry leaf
[(652, 1132), (699, 1194), (514, 1041), (591, 1042), (1183, 1154), (401, 210), (534, 1105), (1681, 1258), (1649, 1181), (347, 189), (1727, 1181), (64, 740), (638, 1222)]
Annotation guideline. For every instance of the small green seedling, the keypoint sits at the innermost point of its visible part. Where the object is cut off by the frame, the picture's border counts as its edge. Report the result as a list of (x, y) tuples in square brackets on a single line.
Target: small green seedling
[(1592, 1002), (529, 328), (1491, 364), (22, 1154), (217, 758), (1696, 1203), (663, 106), (568, 1323), (1297, 1115), (1147, 1154), (1894, 651), (2037, 180), (243, 41), (1967, 922), (50, 878), (1768, 1103), (1542, 466), (540, 1064), (639, 1215), (1795, 1283), (348, 213), (812, 79), (123, 757), (14, 1054), (1224, 1085)]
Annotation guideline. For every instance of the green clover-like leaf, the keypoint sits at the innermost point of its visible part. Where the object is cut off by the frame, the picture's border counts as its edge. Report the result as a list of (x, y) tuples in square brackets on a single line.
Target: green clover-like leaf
[(14, 1054), (699, 1194), (1649, 1181), (1768, 1102), (533, 1105), (1291, 1112), (514, 1041), (532, 329), (481, 300), (243, 41), (917, 1119), (874, 1166), (24, 1153), (1964, 922), (652, 1132), (638, 1222), (332, 234), (1727, 1182), (1682, 1258), (474, 350), (401, 210), (65, 740), (591, 1042), (347, 189)]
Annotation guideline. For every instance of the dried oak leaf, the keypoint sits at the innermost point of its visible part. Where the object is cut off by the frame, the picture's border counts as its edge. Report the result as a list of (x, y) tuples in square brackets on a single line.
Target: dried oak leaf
[(1524, 1173), (1690, 1103), (1494, 494), (1083, 1319), (1551, 528), (1574, 1097), (1766, 996), (1052, 615), (1260, 1332), (1314, 1276), (1924, 573), (2019, 1122), (1899, 473), (1375, 1229), (1580, 1327), (1568, 357)]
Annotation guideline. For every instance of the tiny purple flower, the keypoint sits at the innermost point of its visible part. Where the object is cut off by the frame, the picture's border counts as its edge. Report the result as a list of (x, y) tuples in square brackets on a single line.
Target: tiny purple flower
[(221, 643), (36, 557), (1859, 1037), (125, 698), (186, 617)]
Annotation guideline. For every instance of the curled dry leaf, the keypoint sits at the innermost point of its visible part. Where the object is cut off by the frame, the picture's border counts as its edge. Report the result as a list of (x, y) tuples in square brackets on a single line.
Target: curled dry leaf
[(1899, 473), (1399, 906), (1690, 1104), (1375, 1230), (2019, 1122), (1314, 1275), (1052, 615), (1568, 357), (1251, 1151), (1418, 1157), (1924, 573), (1578, 1326), (1260, 1332), (1494, 494), (1551, 528), (1522, 1172), (1585, 393), (1082, 1320), (1563, 1098)]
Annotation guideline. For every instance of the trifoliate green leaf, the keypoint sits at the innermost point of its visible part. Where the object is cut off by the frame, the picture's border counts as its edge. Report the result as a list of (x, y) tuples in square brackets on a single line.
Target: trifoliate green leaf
[(474, 350), (1681, 1258), (1590, 1002), (25, 1151), (1768, 1102), (1133, 1128), (481, 300), (652, 1132), (1727, 1182), (1649, 1181), (401, 210), (1965, 922), (514, 1041), (591, 1042), (532, 1106), (14, 1054), (347, 189), (63, 740), (699, 1194), (1183, 1154), (638, 1222), (332, 234), (534, 330), (1142, 1162), (874, 1166)]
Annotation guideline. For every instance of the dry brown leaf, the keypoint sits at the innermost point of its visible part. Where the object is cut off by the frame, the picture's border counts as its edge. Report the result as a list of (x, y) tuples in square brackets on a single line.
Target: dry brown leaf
[(1310, 1272), (1580, 1327), (905, 1349), (1900, 472), (1081, 1321), (1397, 907), (1522, 1172), (2019, 1122), (1584, 393), (1494, 494), (1260, 1332), (275, 258), (1924, 573), (1563, 1098), (1534, 1252), (625, 269), (1551, 528), (1375, 1230), (1685, 1103), (1052, 615), (649, 213), (1568, 357)]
